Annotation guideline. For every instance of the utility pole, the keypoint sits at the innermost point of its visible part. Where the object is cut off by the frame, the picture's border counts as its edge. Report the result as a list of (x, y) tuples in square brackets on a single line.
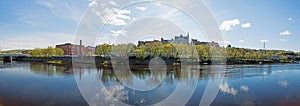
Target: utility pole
[(265, 48), (80, 47)]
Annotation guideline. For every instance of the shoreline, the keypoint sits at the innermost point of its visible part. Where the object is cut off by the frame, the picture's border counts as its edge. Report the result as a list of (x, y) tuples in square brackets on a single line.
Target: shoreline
[(106, 61)]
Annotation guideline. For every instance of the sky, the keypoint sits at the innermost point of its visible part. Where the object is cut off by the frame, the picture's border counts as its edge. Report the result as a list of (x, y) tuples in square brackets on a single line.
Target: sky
[(27, 24)]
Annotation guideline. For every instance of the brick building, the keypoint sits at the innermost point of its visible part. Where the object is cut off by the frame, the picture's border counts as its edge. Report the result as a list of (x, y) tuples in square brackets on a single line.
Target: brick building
[(72, 49)]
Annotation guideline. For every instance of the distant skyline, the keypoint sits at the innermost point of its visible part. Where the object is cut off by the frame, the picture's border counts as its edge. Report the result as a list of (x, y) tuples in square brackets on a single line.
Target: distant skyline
[(244, 23)]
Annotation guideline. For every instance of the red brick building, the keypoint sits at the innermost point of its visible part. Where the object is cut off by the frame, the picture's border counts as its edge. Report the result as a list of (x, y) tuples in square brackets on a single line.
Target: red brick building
[(72, 49)]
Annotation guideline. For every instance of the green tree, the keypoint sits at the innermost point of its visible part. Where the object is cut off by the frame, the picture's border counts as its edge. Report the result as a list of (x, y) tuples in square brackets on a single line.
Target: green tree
[(269, 53), (123, 49), (58, 52), (49, 51), (298, 53), (103, 49), (234, 53), (46, 52), (141, 52), (155, 49), (184, 51), (168, 50), (203, 51)]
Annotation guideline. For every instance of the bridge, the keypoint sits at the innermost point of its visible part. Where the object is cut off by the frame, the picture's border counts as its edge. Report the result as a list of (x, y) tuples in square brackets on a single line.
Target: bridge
[(12, 57)]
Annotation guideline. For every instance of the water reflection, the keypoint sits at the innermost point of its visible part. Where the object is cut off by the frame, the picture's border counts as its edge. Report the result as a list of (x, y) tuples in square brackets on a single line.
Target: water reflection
[(243, 71), (283, 83), (119, 85), (225, 88), (244, 88), (50, 70), (243, 84), (115, 93)]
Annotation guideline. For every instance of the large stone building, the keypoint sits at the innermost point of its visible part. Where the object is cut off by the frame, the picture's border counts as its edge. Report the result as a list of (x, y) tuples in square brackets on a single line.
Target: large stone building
[(182, 39), (164, 41), (178, 40), (196, 42)]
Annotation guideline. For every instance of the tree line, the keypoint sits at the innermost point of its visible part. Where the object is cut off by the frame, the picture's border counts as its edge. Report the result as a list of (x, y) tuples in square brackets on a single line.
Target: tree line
[(46, 52), (169, 50), (198, 52)]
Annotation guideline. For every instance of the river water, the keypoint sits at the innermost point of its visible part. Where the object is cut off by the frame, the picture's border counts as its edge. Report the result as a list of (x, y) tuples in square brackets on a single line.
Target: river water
[(36, 84)]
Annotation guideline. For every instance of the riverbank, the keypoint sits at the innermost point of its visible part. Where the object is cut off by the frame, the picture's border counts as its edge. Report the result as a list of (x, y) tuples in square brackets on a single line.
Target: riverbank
[(106, 61)]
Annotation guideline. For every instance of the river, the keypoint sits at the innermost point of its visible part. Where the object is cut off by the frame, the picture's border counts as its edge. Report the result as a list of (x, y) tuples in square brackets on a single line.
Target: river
[(36, 84)]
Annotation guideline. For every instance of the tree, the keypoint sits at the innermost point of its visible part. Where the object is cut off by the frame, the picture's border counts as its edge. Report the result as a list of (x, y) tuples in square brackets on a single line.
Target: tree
[(141, 52), (46, 52), (104, 49), (203, 51), (123, 49), (234, 53), (168, 50), (58, 52), (155, 49), (269, 53), (184, 51), (49, 51), (298, 53)]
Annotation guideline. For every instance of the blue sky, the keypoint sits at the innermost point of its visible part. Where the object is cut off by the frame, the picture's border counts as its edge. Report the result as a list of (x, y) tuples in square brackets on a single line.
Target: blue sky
[(244, 23)]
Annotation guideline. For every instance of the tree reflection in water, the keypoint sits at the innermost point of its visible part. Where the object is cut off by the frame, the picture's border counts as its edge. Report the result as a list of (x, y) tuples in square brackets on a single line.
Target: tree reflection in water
[(49, 69)]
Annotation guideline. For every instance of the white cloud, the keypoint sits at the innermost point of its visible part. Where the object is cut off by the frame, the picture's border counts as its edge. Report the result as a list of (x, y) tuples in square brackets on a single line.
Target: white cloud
[(285, 33), (282, 40), (246, 25), (116, 17), (264, 40), (45, 3), (113, 3), (93, 3), (229, 24), (109, 13), (226, 89), (290, 19), (157, 3), (241, 41), (141, 8), (120, 32), (244, 88)]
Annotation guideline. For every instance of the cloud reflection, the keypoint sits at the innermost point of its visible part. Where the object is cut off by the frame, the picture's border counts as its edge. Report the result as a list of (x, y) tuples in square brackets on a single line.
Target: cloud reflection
[(244, 88), (283, 83), (225, 88), (115, 93)]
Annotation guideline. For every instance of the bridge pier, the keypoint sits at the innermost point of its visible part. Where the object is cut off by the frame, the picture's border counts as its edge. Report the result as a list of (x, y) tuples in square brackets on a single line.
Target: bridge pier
[(11, 59)]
